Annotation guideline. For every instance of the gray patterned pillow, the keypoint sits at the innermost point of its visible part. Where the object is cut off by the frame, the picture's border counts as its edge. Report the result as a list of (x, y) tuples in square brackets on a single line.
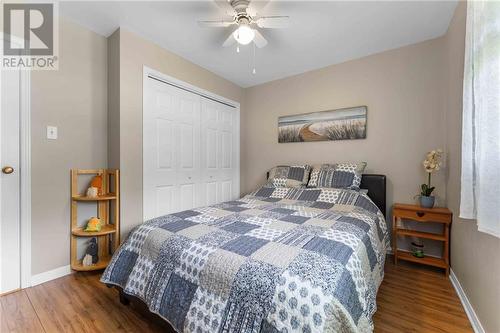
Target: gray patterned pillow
[(289, 176), (339, 175)]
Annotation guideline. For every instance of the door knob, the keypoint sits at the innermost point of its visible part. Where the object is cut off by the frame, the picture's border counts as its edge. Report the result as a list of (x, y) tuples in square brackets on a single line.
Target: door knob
[(8, 170)]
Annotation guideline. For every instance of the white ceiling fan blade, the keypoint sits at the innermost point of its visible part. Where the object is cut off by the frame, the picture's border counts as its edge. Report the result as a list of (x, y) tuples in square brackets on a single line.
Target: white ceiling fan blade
[(225, 5), (259, 40), (273, 22), (229, 41), (216, 23), (255, 6)]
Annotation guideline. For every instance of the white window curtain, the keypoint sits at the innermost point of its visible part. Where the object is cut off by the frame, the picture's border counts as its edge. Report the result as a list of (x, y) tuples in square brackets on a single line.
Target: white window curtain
[(480, 191)]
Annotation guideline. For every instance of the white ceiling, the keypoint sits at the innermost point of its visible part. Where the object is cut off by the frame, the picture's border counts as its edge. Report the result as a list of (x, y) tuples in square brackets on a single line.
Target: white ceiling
[(321, 33)]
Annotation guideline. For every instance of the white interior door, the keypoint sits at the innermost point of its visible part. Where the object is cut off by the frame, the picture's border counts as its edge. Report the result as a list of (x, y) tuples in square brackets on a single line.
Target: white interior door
[(10, 268), (219, 152), (171, 149)]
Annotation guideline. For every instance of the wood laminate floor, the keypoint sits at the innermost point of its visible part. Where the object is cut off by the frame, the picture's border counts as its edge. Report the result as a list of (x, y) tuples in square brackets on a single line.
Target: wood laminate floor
[(411, 299)]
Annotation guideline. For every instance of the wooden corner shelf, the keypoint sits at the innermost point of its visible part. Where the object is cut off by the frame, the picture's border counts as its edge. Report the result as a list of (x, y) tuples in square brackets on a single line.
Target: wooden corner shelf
[(108, 196), (101, 264), (108, 211), (106, 229)]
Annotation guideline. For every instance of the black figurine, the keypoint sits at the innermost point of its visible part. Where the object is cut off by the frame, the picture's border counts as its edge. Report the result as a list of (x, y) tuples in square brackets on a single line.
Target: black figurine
[(92, 250)]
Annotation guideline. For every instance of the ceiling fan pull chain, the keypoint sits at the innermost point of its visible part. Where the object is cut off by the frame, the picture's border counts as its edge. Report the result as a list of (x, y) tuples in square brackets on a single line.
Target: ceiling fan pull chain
[(254, 71)]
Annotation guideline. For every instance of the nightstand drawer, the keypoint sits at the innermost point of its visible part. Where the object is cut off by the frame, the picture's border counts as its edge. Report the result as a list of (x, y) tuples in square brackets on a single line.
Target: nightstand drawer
[(422, 215)]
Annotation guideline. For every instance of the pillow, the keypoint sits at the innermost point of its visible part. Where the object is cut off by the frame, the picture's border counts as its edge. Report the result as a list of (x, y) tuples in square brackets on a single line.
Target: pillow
[(289, 176), (340, 175)]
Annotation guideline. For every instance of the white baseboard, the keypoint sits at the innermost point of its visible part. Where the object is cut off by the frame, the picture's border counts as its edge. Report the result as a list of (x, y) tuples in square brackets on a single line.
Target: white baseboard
[(469, 310), (50, 275)]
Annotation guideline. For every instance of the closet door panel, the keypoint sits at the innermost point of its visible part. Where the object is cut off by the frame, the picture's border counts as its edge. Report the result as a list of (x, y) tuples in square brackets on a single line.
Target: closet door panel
[(209, 132), (209, 153), (211, 195), (171, 148), (165, 139), (226, 149), (189, 162), (187, 195), (189, 131), (226, 190), (226, 116), (226, 158), (187, 147), (159, 149), (211, 149), (218, 136), (165, 200)]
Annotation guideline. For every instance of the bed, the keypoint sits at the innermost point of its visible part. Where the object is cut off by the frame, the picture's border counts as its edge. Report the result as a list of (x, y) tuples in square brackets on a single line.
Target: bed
[(279, 259)]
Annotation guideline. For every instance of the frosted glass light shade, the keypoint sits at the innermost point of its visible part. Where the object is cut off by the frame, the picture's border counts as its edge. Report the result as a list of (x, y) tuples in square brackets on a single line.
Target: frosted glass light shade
[(244, 34)]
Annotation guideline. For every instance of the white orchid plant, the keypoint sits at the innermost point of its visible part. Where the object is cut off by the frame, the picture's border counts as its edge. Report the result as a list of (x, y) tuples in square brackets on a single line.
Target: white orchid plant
[(432, 163)]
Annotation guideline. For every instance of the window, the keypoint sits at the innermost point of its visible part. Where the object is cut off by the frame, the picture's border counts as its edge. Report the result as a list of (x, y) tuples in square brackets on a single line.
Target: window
[(480, 194)]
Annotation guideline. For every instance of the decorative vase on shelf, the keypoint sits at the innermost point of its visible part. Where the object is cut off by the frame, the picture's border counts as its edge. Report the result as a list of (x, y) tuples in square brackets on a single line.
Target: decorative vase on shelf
[(427, 201), (432, 163), (417, 249)]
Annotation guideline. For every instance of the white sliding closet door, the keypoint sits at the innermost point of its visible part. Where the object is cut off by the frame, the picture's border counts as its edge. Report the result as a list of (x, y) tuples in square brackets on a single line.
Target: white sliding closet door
[(219, 152), (171, 175), (190, 149)]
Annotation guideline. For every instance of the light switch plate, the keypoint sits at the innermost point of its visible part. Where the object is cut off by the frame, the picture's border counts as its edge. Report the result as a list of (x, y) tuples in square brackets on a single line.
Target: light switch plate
[(51, 132)]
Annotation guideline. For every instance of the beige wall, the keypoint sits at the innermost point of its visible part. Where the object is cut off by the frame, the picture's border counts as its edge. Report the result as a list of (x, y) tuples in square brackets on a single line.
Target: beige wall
[(136, 52), (403, 90), (414, 104), (114, 100), (474, 255), (413, 96), (72, 98)]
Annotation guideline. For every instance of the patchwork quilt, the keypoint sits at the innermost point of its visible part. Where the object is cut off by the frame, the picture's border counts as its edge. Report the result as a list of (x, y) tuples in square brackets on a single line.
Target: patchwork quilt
[(277, 260)]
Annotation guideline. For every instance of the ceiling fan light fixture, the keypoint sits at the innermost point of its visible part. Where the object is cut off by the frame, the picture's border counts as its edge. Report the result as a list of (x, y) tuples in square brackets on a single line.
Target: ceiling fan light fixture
[(244, 34)]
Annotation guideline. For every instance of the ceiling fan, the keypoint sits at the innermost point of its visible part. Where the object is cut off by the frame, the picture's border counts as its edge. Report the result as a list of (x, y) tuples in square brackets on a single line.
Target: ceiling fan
[(245, 15)]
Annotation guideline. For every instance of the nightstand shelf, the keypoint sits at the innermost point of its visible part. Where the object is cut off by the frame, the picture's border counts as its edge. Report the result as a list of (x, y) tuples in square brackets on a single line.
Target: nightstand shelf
[(431, 261), (419, 214), (420, 234), (108, 211)]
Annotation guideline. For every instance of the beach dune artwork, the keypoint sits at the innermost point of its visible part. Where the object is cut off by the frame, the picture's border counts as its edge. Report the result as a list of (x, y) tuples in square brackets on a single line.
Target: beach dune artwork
[(340, 124)]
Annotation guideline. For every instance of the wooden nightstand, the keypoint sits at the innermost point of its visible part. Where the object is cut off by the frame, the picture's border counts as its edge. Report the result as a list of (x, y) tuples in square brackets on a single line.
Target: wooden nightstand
[(426, 215)]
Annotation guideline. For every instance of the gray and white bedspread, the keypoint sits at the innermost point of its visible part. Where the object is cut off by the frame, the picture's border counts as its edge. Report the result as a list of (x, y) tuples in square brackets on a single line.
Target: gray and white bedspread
[(277, 260)]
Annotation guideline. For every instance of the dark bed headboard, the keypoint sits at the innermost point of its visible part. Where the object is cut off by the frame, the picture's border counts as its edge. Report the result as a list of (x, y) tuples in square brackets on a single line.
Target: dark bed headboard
[(376, 186)]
